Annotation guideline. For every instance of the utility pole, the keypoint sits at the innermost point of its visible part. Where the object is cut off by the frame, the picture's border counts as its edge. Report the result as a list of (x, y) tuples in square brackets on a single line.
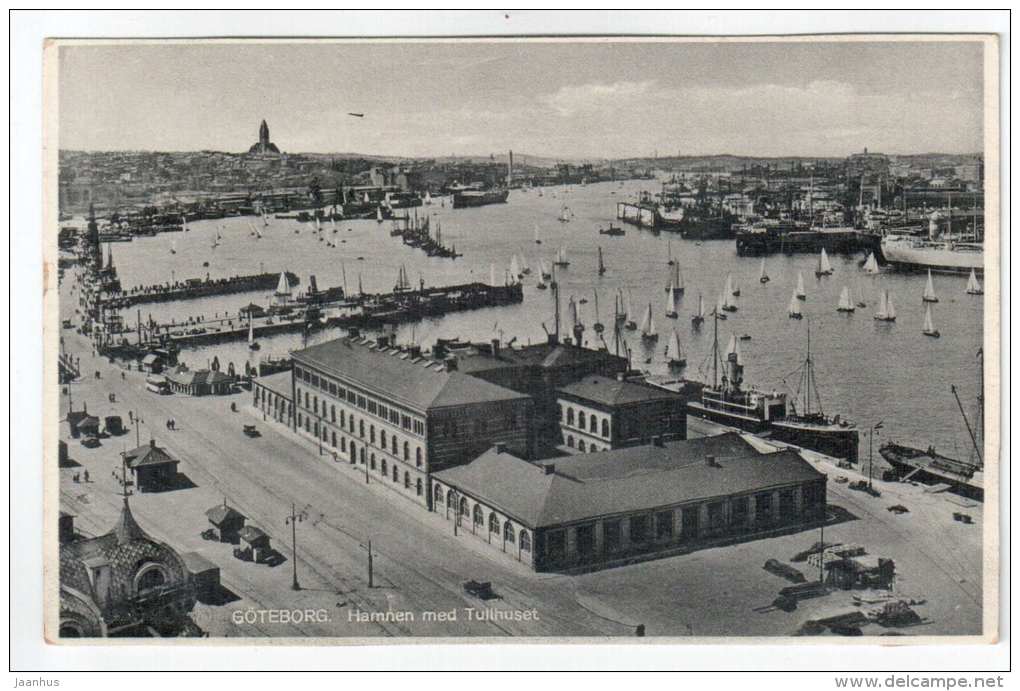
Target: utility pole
[(368, 547), (138, 424), (293, 520)]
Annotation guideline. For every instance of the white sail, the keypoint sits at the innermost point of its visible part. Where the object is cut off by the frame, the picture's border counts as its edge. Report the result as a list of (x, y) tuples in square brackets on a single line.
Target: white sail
[(679, 279), (701, 306), (800, 285), (378, 213), (428, 197), (973, 286), (536, 233), (543, 268), (731, 347), (173, 247), (648, 323), (283, 286), (674, 351), (823, 263), (871, 264), (728, 290), (626, 304), (762, 273), (928, 325), (883, 305), (890, 307), (794, 306), (492, 275), (515, 267), (844, 299), (525, 269), (929, 290)]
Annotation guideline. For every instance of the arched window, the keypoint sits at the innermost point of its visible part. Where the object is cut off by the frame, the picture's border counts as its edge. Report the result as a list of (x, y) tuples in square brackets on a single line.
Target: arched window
[(417, 457), (407, 451), (394, 445), (580, 419), (570, 416), (479, 516), (149, 577), (463, 507), (396, 473), (605, 428), (332, 413), (407, 480), (594, 426), (371, 461), (451, 499), (333, 439), (508, 532), (418, 487), (570, 440), (384, 466), (525, 541), (371, 434), (382, 439), (361, 455), (343, 418), (438, 499), (343, 443), (361, 429), (580, 445), (493, 523)]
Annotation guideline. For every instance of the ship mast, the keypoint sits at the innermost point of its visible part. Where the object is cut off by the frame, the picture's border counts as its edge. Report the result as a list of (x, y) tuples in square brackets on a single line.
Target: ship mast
[(715, 349), (966, 422)]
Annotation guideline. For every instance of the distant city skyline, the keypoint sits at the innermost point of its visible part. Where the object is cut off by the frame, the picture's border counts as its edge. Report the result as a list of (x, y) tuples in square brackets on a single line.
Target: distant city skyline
[(592, 100)]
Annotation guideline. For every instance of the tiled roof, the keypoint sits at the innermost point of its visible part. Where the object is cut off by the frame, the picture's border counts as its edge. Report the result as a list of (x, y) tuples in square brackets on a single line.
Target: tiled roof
[(398, 377), (612, 392), (625, 480), (148, 454), (221, 513)]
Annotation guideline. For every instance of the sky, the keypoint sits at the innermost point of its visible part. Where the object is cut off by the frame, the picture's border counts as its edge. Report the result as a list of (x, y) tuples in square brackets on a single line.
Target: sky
[(603, 99)]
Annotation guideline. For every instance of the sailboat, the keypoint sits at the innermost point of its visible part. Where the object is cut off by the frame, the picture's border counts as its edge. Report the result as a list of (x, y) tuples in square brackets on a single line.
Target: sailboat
[(561, 258), (515, 269), (602, 265), (621, 314), (793, 309), (973, 287), (726, 305), (252, 343), (871, 264), (378, 214), (824, 268), (675, 284), (565, 214), (929, 327), (629, 324), (544, 270), (403, 283), (669, 252), (492, 275), (801, 295), (675, 355), (860, 302), (428, 198), (763, 277), (538, 240), (699, 317), (648, 332), (525, 269), (173, 247), (184, 224), (719, 312), (598, 326), (845, 304), (929, 291), (886, 310), (670, 305)]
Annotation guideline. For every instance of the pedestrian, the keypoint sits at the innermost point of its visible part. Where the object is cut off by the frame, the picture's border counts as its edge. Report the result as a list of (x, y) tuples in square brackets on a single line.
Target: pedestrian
[(168, 423), (122, 374), (86, 476), (131, 417)]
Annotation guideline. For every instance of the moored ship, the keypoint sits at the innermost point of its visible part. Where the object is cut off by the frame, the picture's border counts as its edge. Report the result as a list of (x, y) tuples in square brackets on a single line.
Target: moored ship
[(945, 256), (464, 199)]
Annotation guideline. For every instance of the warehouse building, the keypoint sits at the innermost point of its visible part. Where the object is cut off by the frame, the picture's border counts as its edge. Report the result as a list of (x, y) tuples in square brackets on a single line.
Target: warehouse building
[(591, 509), (398, 417)]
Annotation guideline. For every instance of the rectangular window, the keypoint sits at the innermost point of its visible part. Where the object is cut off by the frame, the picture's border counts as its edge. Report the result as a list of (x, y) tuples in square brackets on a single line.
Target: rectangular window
[(384, 413), (315, 380), (638, 528), (361, 402), (612, 535), (664, 525), (405, 422), (372, 408), (332, 389), (297, 372), (394, 417)]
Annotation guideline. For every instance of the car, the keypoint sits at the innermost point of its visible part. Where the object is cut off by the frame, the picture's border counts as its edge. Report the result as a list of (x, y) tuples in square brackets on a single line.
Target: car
[(480, 589), (250, 431), (90, 441)]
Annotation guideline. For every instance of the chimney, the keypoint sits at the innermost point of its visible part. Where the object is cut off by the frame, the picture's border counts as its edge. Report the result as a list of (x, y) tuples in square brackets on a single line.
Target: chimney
[(495, 347), (549, 468), (711, 462), (500, 447), (657, 441)]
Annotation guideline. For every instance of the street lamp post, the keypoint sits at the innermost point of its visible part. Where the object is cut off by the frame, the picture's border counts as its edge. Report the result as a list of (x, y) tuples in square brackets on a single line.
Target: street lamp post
[(293, 520)]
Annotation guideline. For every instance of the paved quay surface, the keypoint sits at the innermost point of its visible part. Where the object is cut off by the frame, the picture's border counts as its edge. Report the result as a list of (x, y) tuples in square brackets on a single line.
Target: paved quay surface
[(420, 565)]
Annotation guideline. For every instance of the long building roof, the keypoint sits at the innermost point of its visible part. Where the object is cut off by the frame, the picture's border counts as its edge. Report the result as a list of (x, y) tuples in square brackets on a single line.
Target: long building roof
[(419, 383), (643, 478)]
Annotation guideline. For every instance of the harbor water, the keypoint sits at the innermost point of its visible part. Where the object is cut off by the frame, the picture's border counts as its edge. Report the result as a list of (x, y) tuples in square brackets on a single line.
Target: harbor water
[(867, 371)]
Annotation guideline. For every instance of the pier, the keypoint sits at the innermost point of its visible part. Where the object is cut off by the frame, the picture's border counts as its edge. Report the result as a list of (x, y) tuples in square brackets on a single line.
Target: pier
[(836, 240), (198, 288)]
